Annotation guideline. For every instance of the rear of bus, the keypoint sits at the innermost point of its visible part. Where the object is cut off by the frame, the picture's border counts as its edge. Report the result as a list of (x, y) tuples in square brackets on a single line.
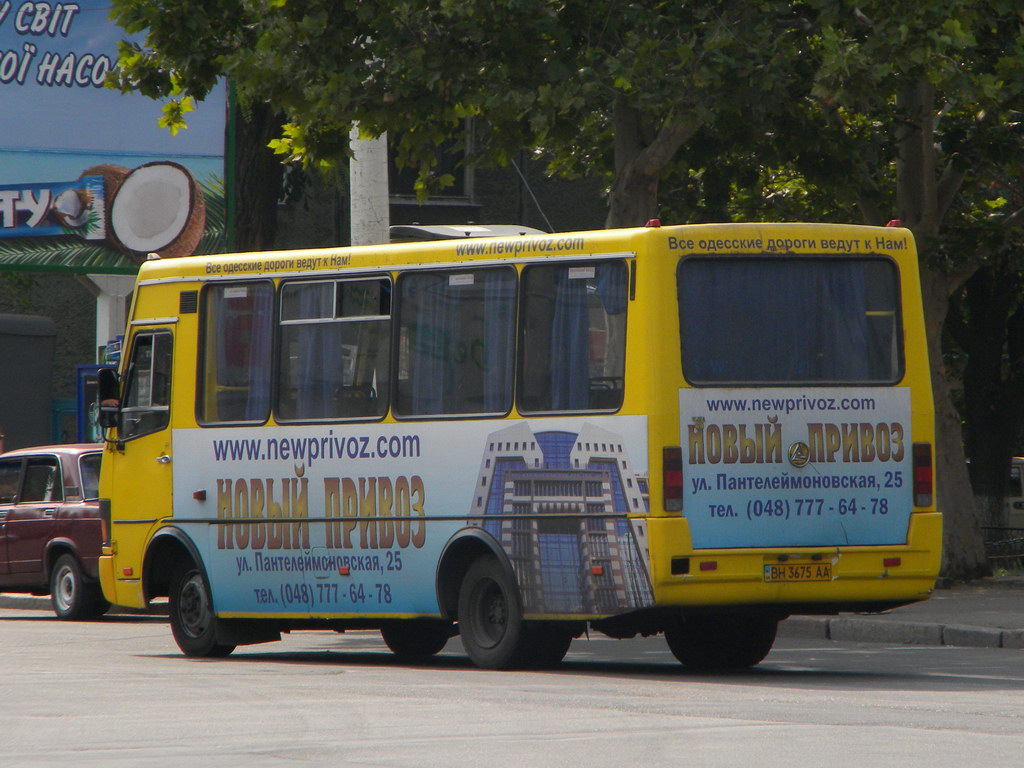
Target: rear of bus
[(798, 476)]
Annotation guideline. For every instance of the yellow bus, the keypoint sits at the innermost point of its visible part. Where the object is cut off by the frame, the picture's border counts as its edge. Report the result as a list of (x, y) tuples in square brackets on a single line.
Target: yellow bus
[(690, 430)]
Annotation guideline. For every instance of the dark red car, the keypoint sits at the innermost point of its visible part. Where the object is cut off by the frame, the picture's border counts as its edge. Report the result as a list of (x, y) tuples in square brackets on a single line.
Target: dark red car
[(50, 526)]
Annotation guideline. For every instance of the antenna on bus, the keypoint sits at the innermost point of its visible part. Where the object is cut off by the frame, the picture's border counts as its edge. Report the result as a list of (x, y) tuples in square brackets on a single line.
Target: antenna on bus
[(533, 196)]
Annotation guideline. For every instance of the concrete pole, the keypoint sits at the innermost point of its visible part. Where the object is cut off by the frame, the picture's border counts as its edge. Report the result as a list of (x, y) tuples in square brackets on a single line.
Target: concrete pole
[(113, 295), (368, 190)]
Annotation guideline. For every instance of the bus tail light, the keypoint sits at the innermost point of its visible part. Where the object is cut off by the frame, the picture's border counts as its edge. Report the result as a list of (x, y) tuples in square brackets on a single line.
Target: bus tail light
[(923, 478), (672, 477)]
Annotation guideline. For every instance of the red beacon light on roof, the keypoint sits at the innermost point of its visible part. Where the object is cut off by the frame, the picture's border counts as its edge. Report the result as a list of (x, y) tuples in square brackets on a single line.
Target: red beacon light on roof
[(653, 223), (894, 223)]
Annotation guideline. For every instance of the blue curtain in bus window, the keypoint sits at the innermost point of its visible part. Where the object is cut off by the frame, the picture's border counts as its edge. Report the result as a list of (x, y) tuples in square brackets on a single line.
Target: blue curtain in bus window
[(499, 329), (459, 329), (317, 364), (433, 316), (776, 320), (570, 345), (258, 405), (243, 317), (570, 331)]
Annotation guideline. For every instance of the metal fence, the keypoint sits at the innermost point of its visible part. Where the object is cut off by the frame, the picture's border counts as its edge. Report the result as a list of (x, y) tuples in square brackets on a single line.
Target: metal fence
[(1005, 547)]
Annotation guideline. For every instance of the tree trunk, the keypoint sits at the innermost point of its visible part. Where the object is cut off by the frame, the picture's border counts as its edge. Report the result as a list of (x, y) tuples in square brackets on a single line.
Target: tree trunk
[(993, 391), (258, 174), (920, 208), (641, 156), (962, 543)]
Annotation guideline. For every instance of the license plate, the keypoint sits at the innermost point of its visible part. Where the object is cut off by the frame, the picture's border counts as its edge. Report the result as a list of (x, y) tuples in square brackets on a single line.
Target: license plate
[(798, 572)]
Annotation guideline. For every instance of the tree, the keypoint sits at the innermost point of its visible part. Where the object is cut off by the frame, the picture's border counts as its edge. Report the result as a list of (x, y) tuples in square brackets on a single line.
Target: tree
[(600, 85), (884, 113), (940, 80)]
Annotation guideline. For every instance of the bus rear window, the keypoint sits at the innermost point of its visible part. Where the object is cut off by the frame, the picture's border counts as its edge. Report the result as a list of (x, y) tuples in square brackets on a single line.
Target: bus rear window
[(770, 320)]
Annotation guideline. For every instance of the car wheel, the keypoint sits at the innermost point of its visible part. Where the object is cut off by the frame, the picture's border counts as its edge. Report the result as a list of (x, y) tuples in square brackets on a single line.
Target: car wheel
[(72, 596), (190, 610)]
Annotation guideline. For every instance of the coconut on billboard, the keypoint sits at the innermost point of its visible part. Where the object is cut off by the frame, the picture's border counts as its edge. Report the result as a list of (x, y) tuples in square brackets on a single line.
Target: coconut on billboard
[(89, 182)]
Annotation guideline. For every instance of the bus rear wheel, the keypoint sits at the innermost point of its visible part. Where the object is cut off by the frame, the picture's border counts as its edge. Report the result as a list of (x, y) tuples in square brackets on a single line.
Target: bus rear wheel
[(193, 622), (722, 641), (416, 639), (490, 618), (546, 645)]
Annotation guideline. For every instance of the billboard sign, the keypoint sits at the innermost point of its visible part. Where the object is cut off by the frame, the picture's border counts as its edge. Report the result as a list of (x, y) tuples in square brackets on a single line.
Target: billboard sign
[(89, 182)]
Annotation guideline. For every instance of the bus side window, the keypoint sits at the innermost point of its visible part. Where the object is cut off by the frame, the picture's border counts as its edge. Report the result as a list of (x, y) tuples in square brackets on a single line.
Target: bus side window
[(335, 349), (147, 394), (573, 344), (235, 353), (456, 341)]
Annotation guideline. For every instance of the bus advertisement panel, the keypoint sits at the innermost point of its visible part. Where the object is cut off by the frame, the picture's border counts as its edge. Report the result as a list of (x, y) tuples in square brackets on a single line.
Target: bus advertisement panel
[(811, 467), (405, 490)]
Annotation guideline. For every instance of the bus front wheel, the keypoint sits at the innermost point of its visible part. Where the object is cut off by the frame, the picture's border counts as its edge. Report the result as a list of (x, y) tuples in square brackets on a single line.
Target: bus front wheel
[(722, 641), (193, 622)]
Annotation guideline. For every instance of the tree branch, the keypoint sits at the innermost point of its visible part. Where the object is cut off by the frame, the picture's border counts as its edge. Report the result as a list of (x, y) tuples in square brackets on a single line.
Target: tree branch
[(1014, 219), (948, 187)]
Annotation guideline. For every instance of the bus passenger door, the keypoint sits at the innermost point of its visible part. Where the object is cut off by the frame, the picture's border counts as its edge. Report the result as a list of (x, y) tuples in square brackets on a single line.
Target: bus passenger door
[(144, 472)]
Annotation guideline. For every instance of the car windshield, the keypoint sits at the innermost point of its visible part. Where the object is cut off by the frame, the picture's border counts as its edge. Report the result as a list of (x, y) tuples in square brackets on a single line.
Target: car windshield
[(90, 465)]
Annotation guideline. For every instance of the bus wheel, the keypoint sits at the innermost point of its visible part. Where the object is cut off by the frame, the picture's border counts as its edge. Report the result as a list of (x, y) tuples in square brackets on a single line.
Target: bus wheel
[(722, 641), (416, 638), (191, 613), (545, 646), (71, 595), (490, 619)]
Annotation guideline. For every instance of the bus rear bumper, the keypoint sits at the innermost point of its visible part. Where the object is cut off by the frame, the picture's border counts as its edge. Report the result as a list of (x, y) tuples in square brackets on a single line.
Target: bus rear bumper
[(796, 579)]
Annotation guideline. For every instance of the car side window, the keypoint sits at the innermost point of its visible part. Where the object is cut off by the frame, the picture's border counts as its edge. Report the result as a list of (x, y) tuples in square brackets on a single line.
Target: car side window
[(10, 473), (90, 470), (42, 480)]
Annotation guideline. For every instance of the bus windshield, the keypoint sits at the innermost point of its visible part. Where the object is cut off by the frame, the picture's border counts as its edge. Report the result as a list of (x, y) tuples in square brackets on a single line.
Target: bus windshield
[(770, 320)]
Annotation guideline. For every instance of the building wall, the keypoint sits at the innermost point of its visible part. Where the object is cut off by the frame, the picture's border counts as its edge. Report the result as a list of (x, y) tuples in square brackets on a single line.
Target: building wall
[(72, 310), (71, 307)]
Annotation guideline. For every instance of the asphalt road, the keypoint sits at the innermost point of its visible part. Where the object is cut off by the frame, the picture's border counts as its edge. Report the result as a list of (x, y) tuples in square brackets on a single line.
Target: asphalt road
[(116, 692)]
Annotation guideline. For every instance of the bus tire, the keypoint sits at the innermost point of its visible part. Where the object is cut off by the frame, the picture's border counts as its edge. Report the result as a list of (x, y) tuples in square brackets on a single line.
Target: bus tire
[(416, 639), (490, 617), (722, 641), (190, 609), (546, 645), (71, 595)]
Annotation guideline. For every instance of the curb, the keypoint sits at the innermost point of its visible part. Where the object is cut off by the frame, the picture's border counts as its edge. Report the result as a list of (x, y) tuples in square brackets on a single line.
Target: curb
[(865, 630), (42, 603), (26, 602)]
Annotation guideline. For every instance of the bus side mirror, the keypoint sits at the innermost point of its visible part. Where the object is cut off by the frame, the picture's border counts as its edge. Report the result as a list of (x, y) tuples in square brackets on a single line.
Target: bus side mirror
[(109, 390)]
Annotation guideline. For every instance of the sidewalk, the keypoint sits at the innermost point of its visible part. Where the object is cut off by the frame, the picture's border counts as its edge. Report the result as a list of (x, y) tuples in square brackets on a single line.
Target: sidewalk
[(988, 613)]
